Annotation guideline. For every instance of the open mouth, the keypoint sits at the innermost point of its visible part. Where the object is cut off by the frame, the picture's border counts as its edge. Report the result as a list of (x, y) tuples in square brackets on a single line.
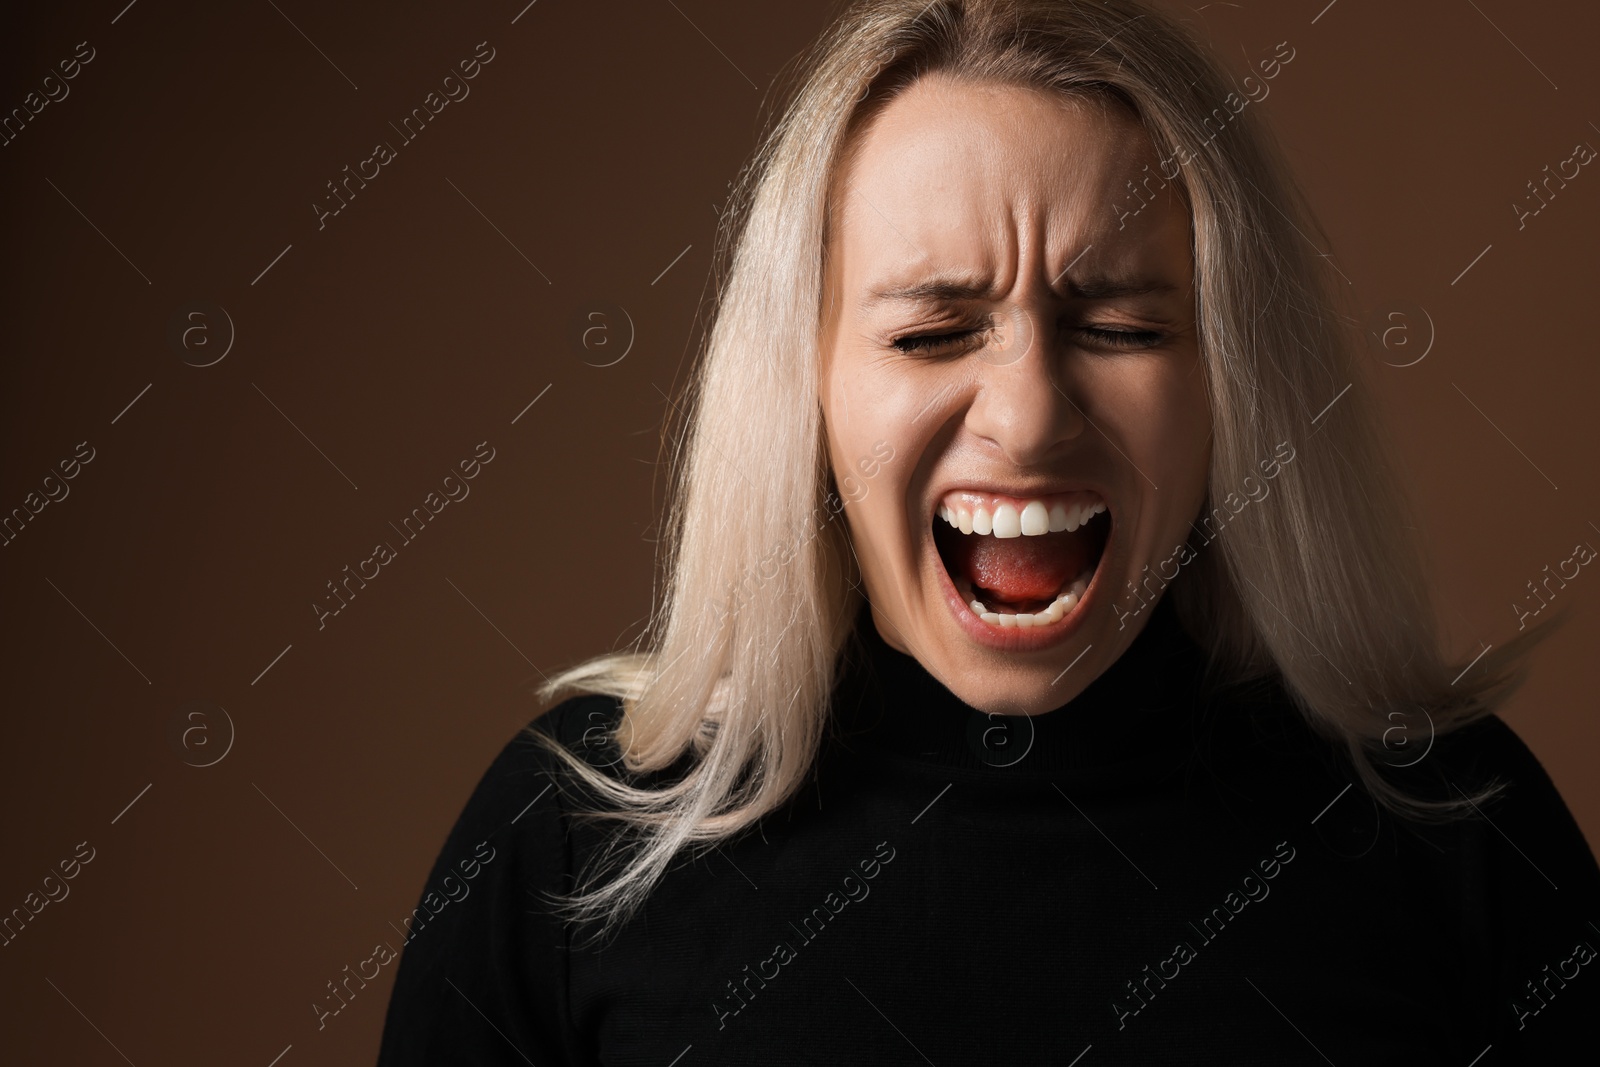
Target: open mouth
[(1021, 563)]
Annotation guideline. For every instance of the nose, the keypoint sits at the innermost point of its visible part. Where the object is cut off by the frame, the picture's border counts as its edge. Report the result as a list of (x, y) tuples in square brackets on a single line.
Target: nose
[(1027, 401)]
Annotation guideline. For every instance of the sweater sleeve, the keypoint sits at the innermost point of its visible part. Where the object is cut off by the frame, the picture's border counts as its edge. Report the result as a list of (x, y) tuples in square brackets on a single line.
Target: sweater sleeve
[(482, 979)]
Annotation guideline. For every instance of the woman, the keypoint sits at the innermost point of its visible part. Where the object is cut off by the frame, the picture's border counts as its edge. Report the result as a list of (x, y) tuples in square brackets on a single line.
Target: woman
[(1042, 675)]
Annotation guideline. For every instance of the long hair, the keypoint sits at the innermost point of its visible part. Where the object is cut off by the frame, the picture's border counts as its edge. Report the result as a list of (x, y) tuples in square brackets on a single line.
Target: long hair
[(1321, 588)]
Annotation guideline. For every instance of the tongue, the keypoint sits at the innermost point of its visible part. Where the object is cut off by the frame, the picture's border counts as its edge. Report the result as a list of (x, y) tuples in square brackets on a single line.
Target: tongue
[(1021, 569)]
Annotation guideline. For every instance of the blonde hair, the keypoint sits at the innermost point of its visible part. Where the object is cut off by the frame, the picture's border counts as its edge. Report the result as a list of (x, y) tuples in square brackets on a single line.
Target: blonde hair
[(1322, 588)]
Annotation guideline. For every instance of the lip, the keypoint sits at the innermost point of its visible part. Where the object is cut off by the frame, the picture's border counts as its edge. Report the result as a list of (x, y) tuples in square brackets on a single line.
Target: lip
[(1031, 639)]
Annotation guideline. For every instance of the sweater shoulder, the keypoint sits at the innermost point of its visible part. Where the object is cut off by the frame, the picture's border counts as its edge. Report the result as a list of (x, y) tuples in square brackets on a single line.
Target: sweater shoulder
[(1490, 746), (1489, 753), (485, 958), (584, 725), (525, 765)]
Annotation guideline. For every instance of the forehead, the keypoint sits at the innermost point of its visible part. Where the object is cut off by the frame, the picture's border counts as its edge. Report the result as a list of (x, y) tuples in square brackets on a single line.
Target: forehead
[(987, 125), (961, 172)]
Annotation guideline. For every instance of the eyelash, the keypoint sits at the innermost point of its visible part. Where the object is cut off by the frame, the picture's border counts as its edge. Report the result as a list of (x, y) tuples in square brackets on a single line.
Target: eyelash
[(1129, 339)]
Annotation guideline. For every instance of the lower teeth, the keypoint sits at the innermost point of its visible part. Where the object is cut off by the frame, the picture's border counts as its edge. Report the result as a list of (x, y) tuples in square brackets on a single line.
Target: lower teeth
[(1057, 610)]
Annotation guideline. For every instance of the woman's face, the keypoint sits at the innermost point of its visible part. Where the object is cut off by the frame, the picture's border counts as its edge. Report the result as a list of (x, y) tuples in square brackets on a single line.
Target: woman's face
[(1015, 405)]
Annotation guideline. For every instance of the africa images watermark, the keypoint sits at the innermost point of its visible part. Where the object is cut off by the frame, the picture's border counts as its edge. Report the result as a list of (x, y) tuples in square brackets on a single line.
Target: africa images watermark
[(410, 528), (55, 490), (1211, 526), (452, 888), (1141, 991), (1552, 982), (784, 952), (54, 890), (1582, 155), (778, 557), (1222, 114), (55, 89), (1582, 554), (455, 88), (382, 954)]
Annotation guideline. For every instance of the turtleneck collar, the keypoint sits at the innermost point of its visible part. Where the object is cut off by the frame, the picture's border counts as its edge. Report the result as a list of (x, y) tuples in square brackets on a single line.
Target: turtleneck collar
[(887, 702)]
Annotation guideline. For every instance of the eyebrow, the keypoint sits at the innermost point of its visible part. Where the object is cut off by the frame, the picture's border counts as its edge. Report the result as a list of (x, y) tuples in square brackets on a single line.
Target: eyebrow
[(1101, 288), (937, 290), (925, 292)]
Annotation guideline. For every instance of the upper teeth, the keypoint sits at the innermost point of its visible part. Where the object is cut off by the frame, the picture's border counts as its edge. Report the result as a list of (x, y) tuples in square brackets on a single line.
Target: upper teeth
[(1035, 518)]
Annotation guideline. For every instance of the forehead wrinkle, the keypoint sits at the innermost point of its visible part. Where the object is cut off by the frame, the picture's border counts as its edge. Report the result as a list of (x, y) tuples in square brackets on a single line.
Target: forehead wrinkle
[(1022, 216), (1010, 230)]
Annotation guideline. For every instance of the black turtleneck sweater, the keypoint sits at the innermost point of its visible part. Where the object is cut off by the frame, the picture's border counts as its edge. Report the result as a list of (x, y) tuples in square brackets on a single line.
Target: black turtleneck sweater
[(1146, 875)]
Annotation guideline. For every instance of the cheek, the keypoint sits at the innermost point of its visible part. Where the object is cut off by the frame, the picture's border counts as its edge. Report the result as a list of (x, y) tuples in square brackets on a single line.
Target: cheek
[(1162, 417), (843, 403), (861, 413), (880, 415), (867, 400), (1186, 432), (871, 412)]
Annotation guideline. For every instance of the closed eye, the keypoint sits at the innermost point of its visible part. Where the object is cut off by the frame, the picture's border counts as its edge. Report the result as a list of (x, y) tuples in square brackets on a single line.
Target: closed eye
[(928, 341), (1122, 338), (1098, 335)]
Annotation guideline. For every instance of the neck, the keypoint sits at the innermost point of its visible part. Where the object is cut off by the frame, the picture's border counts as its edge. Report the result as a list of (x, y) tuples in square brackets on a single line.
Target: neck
[(887, 703)]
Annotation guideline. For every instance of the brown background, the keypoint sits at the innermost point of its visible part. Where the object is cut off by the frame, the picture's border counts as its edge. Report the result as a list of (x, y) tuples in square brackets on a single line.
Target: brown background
[(593, 150)]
